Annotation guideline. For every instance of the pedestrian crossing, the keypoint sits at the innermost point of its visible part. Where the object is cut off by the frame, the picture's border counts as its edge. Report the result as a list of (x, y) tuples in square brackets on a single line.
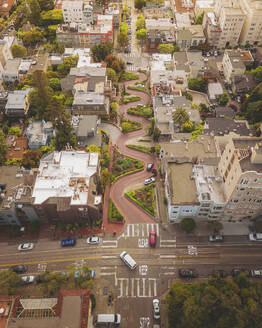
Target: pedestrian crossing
[(139, 230), (132, 68), (109, 244), (136, 287), (108, 271), (168, 243)]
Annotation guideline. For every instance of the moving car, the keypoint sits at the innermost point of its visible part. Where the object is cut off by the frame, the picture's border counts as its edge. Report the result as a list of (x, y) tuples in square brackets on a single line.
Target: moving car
[(19, 268), (215, 238), (149, 166), (156, 309), (152, 239), (68, 242), (236, 272), (187, 273), (128, 260), (93, 240), (28, 279), (25, 247), (219, 273), (148, 181)]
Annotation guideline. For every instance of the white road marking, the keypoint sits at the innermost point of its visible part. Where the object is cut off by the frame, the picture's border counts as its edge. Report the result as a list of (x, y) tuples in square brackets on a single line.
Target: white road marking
[(109, 257), (167, 256), (144, 286)]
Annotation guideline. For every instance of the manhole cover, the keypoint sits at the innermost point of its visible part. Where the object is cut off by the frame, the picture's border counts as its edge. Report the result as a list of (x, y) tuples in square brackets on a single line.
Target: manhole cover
[(105, 290)]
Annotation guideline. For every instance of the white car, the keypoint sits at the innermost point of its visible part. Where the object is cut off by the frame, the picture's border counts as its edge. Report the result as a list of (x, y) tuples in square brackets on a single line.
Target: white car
[(25, 247), (28, 279), (93, 240), (156, 309), (148, 181)]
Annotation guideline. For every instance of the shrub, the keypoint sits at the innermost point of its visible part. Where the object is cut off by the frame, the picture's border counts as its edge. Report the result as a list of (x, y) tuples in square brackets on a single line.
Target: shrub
[(187, 225), (129, 76), (129, 99)]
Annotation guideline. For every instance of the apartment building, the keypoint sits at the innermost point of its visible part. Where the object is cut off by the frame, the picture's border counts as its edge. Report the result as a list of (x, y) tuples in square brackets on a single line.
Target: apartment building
[(77, 12), (90, 103), (65, 187), (232, 64), (159, 31), (211, 29)]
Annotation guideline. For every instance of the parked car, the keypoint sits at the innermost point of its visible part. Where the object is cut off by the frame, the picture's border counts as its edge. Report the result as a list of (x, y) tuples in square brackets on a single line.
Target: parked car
[(236, 272), (140, 85), (255, 236), (156, 309), (152, 239), (25, 247), (256, 273), (148, 181), (19, 268), (28, 279), (215, 238), (187, 273), (149, 166), (129, 63), (219, 273), (93, 240), (81, 273), (68, 242)]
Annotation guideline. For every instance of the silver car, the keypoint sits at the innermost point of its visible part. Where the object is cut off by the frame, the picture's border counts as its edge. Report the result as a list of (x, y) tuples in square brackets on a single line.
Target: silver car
[(25, 247), (156, 309)]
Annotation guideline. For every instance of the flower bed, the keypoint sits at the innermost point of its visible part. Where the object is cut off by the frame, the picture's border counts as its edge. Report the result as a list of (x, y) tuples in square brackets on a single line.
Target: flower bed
[(141, 148), (144, 197), (113, 214), (146, 112), (129, 76), (127, 100), (129, 126), (132, 87), (123, 165)]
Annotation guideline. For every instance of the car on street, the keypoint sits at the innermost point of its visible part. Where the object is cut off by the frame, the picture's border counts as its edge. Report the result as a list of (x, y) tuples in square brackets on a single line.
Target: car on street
[(156, 309), (255, 236), (129, 63), (19, 268), (215, 238), (28, 279), (93, 240), (187, 273), (152, 239), (219, 273), (68, 242), (236, 272), (148, 181), (256, 273), (149, 166), (25, 247)]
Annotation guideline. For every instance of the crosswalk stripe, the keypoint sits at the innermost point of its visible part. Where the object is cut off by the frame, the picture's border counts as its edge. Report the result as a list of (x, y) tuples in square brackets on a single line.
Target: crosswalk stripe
[(167, 256)]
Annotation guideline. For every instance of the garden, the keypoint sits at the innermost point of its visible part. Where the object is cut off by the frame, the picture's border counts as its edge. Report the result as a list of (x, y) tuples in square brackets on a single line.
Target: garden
[(113, 214), (146, 112), (129, 126), (144, 197), (129, 99)]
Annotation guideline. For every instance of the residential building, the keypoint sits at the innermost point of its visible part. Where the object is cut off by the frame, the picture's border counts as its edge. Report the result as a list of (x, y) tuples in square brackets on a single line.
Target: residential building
[(205, 6), (16, 196), (214, 91), (182, 20), (90, 103), (224, 112), (219, 126), (39, 133), (243, 83), (65, 187), (86, 130), (114, 9), (5, 55), (212, 29), (72, 11), (17, 103), (232, 64), (16, 146), (72, 308), (183, 38), (197, 35), (159, 31), (185, 6), (10, 72), (3, 99), (191, 62)]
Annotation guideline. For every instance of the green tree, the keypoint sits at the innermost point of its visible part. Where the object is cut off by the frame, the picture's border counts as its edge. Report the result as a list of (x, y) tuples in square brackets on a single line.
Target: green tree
[(199, 19), (46, 5), (113, 110), (141, 34), (111, 74), (3, 148), (166, 48), (139, 4), (198, 84), (18, 51), (180, 116), (32, 38), (187, 225), (34, 15), (223, 99), (188, 126), (124, 28), (79, 278), (257, 73), (55, 84), (15, 130), (100, 51), (156, 134), (64, 135), (93, 149), (52, 17), (122, 40), (9, 282), (69, 62), (31, 158), (254, 112), (105, 178), (52, 282), (140, 23)]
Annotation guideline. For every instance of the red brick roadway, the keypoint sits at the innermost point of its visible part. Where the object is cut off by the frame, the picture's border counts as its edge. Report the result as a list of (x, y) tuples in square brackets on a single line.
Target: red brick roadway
[(130, 211)]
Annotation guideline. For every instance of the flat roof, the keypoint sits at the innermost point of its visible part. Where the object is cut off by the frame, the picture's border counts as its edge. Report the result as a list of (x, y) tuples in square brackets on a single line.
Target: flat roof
[(182, 187), (88, 98)]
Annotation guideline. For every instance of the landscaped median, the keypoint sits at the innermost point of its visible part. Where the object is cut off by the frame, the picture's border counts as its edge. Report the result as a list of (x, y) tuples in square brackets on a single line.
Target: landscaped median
[(114, 215), (144, 198), (129, 126), (146, 112), (133, 87), (144, 149), (129, 99), (129, 76)]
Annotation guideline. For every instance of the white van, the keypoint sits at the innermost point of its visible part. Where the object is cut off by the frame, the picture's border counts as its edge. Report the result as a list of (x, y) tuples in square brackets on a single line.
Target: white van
[(107, 319), (255, 236), (128, 260)]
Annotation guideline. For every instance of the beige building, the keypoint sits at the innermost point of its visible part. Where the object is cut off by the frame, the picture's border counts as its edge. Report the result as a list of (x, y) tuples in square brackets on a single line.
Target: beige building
[(232, 64), (212, 29)]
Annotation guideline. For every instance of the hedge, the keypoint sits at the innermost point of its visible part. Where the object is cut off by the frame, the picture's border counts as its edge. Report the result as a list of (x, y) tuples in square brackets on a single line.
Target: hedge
[(132, 87), (140, 148), (129, 76), (146, 112), (113, 213), (126, 173), (127, 100), (130, 194)]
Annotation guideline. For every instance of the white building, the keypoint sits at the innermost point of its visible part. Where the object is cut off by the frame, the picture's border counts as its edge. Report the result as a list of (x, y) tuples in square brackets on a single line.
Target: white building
[(77, 12)]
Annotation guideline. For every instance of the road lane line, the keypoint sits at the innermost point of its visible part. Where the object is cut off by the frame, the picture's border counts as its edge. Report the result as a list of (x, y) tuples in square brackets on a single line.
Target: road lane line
[(138, 286), (144, 286), (168, 256), (109, 257), (107, 273), (132, 287)]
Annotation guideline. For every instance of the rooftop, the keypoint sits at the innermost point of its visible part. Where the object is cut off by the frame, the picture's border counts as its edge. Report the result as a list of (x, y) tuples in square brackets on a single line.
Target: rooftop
[(88, 98), (185, 6), (17, 99), (215, 90), (216, 126), (86, 125), (88, 71), (224, 112), (235, 59), (182, 19), (66, 174), (12, 65), (156, 23), (181, 61), (16, 186)]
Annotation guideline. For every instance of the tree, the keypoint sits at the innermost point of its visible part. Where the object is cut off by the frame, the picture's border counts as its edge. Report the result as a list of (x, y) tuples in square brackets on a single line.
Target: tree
[(124, 28), (140, 23), (215, 226), (46, 5), (105, 178), (199, 19), (69, 62), (34, 15), (64, 135), (139, 4), (52, 17), (198, 84), (31, 158), (52, 282), (100, 51), (54, 110), (156, 133), (122, 40), (79, 278), (257, 73), (103, 3), (141, 34), (9, 282), (3, 148), (113, 111), (55, 84), (18, 51), (15, 130), (93, 149), (188, 126), (180, 116), (111, 74), (187, 225), (223, 99), (166, 48)]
